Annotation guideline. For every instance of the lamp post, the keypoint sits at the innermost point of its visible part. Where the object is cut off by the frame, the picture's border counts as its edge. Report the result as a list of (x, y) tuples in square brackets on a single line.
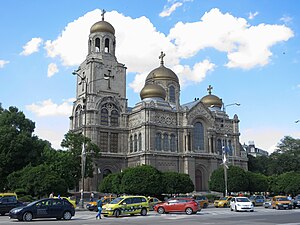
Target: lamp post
[(224, 106), (225, 166), (84, 80), (297, 121), (83, 152)]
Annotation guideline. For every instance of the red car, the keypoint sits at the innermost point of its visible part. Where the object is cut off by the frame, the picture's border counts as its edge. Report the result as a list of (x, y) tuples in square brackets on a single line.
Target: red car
[(187, 205)]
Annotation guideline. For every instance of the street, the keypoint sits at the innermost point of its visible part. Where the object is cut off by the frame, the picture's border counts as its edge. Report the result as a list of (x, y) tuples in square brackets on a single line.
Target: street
[(224, 216)]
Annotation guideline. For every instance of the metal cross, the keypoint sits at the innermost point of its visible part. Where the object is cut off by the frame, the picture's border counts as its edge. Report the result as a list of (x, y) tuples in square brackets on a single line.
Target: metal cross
[(209, 89), (161, 57), (102, 14)]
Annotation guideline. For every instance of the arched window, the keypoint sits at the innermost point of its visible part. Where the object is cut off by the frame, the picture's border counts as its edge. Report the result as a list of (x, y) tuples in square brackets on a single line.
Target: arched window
[(106, 172), (173, 143), (97, 44), (131, 144), (140, 142), (114, 118), (172, 94), (104, 116), (106, 45), (135, 143), (158, 141), (230, 150), (166, 142), (198, 138), (219, 146)]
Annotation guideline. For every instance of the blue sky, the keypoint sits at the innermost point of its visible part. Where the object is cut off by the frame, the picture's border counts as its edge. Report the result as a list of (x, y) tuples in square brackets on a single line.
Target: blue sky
[(248, 51)]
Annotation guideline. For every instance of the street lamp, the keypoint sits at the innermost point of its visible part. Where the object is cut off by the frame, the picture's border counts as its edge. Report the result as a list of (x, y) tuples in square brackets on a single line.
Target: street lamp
[(225, 166), (224, 106), (84, 80), (297, 121)]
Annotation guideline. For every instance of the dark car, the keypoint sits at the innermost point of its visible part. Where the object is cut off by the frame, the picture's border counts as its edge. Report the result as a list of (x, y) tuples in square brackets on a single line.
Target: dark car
[(7, 203), (44, 208), (296, 202), (257, 200), (187, 205)]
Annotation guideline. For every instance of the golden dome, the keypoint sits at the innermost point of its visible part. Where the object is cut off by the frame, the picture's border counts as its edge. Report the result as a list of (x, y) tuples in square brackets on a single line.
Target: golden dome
[(152, 90), (162, 73), (102, 26), (212, 101)]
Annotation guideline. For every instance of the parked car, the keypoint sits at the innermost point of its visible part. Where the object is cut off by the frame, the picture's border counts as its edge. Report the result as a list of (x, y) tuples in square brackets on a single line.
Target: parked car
[(257, 200), (44, 208), (296, 202), (267, 203), (241, 204), (8, 201), (281, 202), (187, 205), (223, 202), (92, 206), (126, 205), (152, 202), (202, 201)]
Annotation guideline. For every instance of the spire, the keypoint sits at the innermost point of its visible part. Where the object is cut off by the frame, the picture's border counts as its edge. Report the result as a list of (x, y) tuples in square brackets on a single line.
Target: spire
[(161, 57), (209, 89)]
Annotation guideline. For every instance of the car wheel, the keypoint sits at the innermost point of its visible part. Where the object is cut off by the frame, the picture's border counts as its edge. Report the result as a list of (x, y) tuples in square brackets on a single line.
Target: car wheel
[(67, 215), (27, 216), (144, 212), (161, 210), (205, 205), (225, 206), (231, 209), (117, 213), (251, 210), (189, 211)]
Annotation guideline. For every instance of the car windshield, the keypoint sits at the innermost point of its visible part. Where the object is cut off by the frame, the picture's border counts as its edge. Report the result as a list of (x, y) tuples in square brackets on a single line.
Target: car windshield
[(224, 198), (32, 203), (282, 199), (242, 199), (252, 197), (116, 200)]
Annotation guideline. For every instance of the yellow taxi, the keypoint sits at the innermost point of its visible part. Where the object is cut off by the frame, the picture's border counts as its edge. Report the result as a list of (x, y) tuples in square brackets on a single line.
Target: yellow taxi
[(202, 201), (223, 202), (92, 206), (126, 205), (8, 194), (281, 202), (73, 202), (152, 202)]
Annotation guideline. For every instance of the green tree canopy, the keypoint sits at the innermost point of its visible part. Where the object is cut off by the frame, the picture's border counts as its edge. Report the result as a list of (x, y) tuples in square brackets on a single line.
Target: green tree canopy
[(287, 183), (257, 182), (111, 183), (175, 183)]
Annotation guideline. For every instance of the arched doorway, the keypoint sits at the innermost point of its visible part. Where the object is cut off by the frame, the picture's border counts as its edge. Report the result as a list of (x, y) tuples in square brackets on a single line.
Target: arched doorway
[(199, 180)]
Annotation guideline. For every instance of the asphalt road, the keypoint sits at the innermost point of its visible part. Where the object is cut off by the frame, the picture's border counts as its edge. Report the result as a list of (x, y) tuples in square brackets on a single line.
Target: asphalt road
[(209, 216)]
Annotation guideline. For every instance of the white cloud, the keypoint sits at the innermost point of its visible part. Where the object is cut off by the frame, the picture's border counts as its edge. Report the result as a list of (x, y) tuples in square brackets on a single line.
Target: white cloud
[(252, 15), (31, 46), (167, 11), (52, 69), (246, 46), (286, 19), (48, 108), (2, 63)]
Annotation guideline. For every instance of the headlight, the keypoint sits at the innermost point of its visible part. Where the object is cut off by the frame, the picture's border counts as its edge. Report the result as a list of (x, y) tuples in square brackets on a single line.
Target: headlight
[(16, 210), (109, 209), (279, 204), (238, 204)]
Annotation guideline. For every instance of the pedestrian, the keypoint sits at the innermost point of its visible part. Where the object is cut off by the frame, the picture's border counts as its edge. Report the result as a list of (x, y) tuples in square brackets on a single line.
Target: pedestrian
[(58, 196), (289, 198), (51, 195), (99, 206), (92, 197)]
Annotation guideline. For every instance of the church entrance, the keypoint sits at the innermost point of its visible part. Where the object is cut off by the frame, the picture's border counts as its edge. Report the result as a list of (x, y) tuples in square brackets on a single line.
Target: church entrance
[(199, 180)]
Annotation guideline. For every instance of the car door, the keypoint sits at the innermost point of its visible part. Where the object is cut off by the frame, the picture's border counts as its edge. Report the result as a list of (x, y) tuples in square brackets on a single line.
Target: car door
[(56, 208), (42, 208), (172, 205)]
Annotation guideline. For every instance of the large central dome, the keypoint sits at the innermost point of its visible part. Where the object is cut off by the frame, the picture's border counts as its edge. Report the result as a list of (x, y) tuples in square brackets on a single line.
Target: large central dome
[(102, 26)]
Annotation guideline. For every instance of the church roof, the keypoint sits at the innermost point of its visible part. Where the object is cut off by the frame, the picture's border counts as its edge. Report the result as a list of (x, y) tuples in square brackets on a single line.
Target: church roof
[(190, 104), (102, 26)]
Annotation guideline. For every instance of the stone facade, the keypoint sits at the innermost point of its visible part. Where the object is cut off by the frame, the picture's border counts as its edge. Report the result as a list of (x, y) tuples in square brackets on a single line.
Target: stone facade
[(158, 130)]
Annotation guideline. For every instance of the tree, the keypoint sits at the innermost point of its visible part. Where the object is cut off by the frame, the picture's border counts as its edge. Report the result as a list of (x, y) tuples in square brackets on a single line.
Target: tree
[(38, 181), (287, 183), (175, 183), (18, 145), (237, 180), (73, 142), (111, 183), (257, 182), (145, 180)]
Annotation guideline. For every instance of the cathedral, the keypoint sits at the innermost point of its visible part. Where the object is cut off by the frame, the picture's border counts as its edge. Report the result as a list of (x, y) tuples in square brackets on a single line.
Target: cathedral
[(190, 138)]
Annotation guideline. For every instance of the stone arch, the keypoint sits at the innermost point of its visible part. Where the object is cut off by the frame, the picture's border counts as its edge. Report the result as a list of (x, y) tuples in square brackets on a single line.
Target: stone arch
[(201, 178)]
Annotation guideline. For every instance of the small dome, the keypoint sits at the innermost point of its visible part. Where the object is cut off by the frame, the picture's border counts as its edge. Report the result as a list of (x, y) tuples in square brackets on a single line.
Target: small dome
[(212, 101), (152, 90), (102, 26)]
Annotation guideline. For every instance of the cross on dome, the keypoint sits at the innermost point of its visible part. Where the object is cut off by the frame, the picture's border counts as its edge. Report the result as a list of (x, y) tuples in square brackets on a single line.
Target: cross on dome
[(102, 14), (209, 89), (161, 57)]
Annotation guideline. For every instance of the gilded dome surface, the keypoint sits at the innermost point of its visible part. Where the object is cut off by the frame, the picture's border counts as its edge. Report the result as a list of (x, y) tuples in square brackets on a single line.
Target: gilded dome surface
[(212, 101), (152, 90), (102, 26), (162, 73)]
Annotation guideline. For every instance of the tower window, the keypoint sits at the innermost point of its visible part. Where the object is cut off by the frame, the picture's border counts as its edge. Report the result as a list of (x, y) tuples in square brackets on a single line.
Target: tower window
[(158, 141), (135, 143), (97, 45), (104, 117), (103, 141), (131, 144), (166, 142), (114, 118), (140, 142), (114, 142), (173, 143), (172, 94), (106, 45)]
